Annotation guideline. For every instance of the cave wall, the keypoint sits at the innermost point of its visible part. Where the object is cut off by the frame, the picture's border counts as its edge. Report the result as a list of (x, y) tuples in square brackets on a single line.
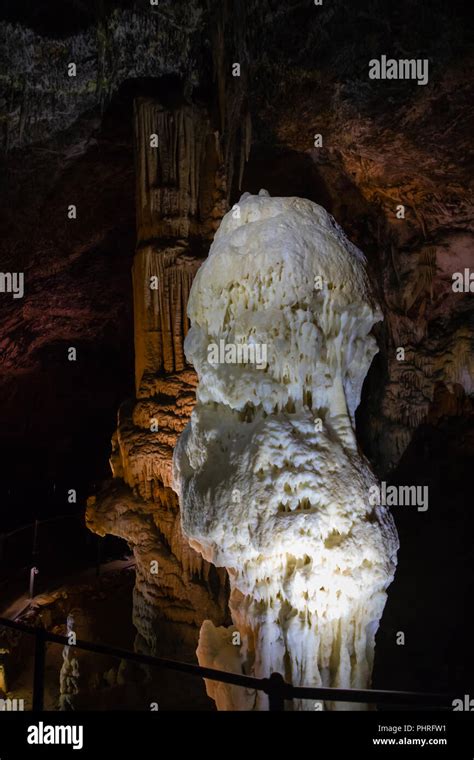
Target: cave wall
[(181, 195), (303, 72)]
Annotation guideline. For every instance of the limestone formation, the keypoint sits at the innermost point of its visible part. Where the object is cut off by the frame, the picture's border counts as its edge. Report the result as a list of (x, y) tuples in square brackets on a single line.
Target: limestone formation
[(69, 674), (271, 483), (181, 196)]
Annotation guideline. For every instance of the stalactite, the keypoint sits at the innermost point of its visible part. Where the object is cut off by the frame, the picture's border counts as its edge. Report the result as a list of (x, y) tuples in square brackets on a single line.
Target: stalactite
[(245, 146), (159, 324)]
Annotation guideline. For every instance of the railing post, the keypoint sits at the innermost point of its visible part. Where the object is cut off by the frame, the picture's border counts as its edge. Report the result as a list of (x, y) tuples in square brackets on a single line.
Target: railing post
[(31, 589), (276, 699), (39, 668)]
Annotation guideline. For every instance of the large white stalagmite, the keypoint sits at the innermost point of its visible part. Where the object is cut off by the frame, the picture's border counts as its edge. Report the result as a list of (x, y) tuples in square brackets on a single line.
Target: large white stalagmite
[(271, 483)]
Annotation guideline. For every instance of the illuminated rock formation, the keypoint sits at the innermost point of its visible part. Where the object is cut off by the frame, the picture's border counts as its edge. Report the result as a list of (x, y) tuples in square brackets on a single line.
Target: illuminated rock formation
[(270, 480), (181, 196)]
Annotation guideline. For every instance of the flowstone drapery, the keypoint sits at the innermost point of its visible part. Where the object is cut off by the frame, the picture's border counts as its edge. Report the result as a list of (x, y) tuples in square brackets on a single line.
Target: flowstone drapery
[(270, 480)]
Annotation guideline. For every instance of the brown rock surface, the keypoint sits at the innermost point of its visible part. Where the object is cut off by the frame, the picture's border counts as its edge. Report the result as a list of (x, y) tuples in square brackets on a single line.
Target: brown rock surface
[(181, 196)]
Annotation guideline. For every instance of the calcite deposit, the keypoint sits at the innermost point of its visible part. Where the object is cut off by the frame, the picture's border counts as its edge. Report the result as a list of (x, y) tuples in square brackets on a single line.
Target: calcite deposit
[(181, 192), (271, 483)]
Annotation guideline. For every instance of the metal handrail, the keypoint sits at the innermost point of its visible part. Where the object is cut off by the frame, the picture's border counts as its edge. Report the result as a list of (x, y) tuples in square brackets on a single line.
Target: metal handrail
[(42, 521), (277, 689), (30, 558)]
